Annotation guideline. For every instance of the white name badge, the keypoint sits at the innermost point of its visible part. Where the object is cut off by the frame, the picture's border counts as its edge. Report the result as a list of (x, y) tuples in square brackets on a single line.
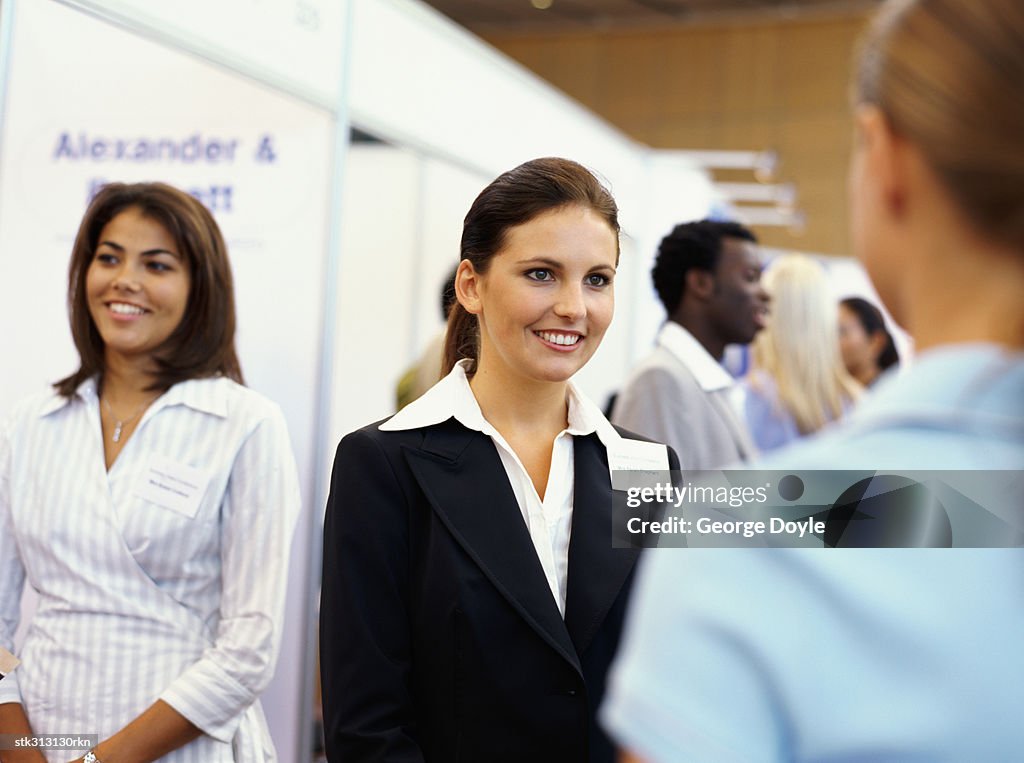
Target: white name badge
[(172, 485), (8, 662), (647, 458)]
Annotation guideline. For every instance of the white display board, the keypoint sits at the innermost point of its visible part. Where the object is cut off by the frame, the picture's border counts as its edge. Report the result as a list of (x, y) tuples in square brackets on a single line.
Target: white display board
[(401, 221), (114, 106), (294, 44)]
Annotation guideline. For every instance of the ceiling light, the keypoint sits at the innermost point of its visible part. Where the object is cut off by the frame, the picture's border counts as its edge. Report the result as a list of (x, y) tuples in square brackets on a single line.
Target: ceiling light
[(763, 163), (541, 5), (794, 220), (784, 194)]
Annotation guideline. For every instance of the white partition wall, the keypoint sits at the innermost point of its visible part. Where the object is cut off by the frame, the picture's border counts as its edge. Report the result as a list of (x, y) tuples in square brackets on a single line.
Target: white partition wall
[(401, 223), (292, 45), (421, 82)]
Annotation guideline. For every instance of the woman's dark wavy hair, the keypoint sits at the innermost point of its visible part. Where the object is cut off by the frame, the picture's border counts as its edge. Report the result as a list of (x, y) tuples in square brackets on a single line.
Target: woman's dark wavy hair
[(872, 320), (515, 198), (203, 344)]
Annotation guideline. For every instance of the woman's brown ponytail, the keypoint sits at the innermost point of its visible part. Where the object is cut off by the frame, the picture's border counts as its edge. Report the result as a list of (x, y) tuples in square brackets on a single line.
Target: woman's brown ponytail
[(460, 340)]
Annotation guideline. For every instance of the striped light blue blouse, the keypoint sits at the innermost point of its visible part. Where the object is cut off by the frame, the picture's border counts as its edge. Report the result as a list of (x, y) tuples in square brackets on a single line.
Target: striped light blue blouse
[(146, 593)]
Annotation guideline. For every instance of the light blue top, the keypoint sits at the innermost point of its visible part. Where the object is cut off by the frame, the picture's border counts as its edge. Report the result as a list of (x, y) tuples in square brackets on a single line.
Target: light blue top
[(770, 424), (844, 654)]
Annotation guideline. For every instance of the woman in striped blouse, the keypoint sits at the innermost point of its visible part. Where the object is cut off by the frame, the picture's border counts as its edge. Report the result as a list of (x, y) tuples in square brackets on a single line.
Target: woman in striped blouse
[(149, 502)]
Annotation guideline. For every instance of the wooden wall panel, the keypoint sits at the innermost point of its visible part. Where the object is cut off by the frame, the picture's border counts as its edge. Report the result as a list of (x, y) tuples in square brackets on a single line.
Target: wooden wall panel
[(580, 63), (779, 84)]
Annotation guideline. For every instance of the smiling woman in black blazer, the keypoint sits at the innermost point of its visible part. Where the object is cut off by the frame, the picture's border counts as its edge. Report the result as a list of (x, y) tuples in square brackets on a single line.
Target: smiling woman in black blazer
[(472, 600)]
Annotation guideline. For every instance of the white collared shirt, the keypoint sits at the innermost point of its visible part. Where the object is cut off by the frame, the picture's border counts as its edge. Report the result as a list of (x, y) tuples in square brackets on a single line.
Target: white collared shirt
[(141, 600), (708, 372), (549, 521)]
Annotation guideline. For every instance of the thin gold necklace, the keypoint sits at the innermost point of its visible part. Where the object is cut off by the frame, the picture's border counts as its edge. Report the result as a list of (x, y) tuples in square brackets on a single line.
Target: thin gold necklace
[(119, 424)]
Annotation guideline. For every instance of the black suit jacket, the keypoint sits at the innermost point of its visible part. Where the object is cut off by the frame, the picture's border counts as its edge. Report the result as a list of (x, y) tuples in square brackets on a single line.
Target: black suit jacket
[(439, 637)]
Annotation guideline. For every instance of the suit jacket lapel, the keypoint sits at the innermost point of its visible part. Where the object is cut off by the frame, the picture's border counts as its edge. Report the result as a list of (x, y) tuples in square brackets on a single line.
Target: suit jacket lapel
[(462, 476), (597, 572), (720, 400)]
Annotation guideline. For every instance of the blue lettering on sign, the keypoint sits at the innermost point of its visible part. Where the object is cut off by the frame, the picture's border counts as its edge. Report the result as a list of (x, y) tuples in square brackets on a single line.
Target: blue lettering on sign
[(218, 198), (64, 150), (265, 152), (192, 149)]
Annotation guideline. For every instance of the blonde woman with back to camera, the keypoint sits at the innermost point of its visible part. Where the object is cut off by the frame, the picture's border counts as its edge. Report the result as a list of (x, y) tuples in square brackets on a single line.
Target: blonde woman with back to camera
[(880, 654), (798, 383)]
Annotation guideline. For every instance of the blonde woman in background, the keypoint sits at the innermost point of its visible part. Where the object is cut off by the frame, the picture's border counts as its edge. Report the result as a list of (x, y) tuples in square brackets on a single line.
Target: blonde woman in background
[(798, 383)]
